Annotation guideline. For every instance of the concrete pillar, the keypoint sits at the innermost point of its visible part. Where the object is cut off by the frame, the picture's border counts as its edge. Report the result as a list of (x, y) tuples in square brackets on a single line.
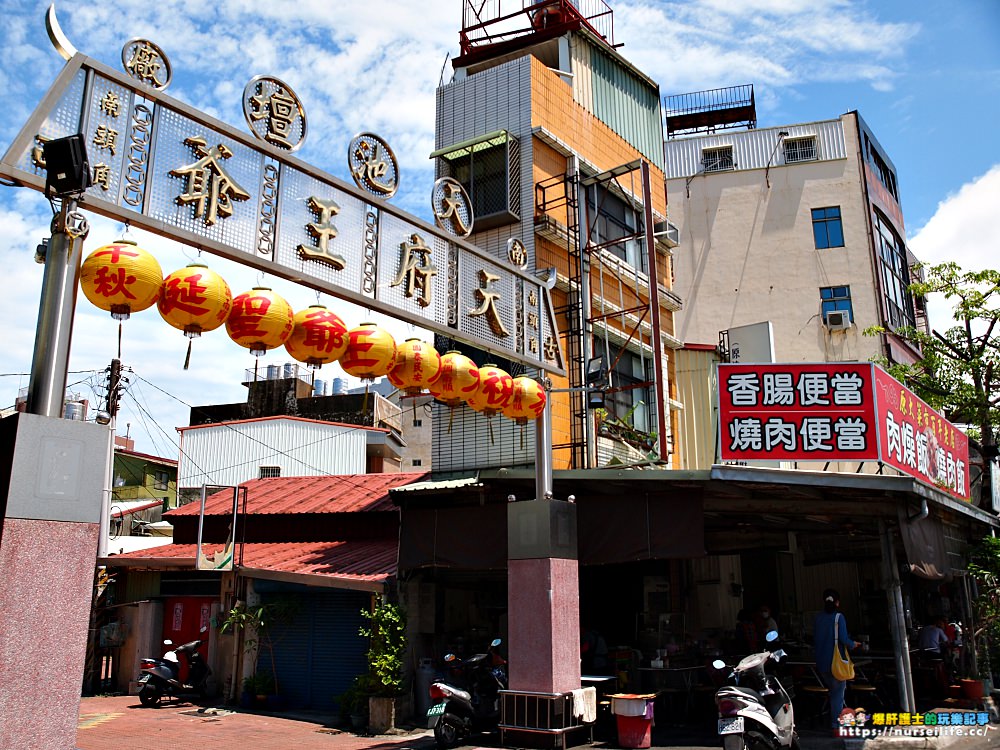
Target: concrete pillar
[(51, 480), (543, 596)]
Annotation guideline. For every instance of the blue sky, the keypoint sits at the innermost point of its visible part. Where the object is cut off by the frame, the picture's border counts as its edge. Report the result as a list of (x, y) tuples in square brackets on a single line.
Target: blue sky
[(925, 76)]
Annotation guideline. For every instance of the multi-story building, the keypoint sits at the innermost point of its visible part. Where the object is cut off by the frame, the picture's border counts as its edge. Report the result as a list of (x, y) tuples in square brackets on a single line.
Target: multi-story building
[(558, 140), (800, 225)]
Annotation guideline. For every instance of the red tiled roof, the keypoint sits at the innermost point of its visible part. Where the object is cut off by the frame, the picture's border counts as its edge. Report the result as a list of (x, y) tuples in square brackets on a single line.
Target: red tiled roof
[(358, 561), (345, 493)]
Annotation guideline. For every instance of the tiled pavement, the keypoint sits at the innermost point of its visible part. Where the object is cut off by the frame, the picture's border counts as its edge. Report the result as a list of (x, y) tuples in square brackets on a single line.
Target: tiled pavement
[(120, 723)]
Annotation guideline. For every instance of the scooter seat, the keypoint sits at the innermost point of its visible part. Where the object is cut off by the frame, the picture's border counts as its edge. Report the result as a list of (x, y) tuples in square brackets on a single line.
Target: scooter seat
[(748, 692)]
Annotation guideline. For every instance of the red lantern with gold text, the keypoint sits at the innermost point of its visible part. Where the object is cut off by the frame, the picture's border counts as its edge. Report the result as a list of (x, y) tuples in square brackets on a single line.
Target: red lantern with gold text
[(496, 387), (418, 366), (319, 336), (371, 352), (527, 400), (260, 320), (121, 278)]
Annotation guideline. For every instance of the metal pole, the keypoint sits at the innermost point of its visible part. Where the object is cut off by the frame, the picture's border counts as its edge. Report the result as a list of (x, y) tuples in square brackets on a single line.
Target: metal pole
[(654, 304), (586, 337), (50, 362), (897, 624), (543, 445)]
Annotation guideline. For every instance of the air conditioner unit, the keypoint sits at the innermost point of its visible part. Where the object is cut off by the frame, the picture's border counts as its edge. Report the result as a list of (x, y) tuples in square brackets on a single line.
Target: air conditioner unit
[(838, 320)]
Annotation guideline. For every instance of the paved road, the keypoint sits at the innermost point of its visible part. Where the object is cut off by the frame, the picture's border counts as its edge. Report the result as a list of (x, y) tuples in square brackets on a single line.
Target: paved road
[(120, 723)]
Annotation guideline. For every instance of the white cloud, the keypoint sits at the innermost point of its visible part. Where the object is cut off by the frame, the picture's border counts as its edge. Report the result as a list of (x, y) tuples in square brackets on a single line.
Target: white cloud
[(964, 229), (782, 43)]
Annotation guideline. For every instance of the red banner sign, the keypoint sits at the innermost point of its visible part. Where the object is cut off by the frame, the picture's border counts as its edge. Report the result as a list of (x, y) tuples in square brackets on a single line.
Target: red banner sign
[(917, 440), (792, 412), (837, 411)]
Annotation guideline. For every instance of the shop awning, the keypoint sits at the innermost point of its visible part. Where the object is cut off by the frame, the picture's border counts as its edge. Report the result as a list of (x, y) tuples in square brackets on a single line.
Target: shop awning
[(620, 528)]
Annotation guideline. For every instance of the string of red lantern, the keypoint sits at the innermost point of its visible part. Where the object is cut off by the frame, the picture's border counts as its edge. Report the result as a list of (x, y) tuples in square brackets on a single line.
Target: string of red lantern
[(122, 278)]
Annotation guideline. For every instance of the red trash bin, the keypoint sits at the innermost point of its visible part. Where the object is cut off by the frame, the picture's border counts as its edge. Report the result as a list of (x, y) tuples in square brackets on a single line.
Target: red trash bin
[(634, 731), (634, 717)]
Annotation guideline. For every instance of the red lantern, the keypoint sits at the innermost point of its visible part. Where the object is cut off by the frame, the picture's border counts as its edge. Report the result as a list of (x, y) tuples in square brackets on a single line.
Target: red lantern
[(495, 389), (371, 352), (418, 365), (121, 278), (526, 402), (260, 320), (459, 379), (195, 299), (319, 336)]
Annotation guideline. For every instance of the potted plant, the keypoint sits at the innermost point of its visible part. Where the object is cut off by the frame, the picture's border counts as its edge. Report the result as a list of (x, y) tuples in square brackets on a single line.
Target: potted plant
[(249, 693), (386, 633), (984, 636), (353, 703)]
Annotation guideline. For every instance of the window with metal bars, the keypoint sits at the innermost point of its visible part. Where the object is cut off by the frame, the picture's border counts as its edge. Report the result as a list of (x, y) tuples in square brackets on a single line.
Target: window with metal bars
[(161, 480), (800, 149), (717, 159), (270, 471), (489, 170)]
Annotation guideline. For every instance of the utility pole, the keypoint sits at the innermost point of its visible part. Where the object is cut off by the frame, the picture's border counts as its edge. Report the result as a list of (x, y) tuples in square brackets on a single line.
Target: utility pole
[(114, 394)]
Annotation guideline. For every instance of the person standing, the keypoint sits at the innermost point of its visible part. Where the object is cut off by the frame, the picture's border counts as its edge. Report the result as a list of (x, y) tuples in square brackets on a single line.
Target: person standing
[(827, 622)]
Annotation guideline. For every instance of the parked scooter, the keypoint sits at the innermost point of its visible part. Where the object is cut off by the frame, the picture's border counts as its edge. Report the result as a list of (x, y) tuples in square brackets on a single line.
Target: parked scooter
[(457, 712), (755, 711), (161, 677)]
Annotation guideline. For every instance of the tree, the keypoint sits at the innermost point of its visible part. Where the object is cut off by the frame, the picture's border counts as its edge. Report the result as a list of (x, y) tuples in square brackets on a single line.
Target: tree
[(386, 631), (960, 371)]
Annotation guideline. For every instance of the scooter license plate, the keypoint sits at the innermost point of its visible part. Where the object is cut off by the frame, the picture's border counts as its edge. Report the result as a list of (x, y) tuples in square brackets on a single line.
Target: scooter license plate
[(731, 725), (436, 710), (144, 678)]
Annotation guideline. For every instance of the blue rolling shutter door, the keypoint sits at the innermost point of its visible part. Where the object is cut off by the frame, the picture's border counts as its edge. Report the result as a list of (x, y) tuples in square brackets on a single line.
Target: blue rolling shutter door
[(318, 655)]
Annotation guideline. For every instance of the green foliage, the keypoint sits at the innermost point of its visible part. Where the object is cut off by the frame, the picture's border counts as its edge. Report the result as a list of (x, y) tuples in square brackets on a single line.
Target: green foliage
[(960, 370), (257, 626), (984, 566), (354, 700), (386, 631), (259, 683)]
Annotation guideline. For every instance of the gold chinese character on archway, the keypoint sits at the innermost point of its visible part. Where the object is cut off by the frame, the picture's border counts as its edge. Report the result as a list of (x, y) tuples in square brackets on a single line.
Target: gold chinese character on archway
[(209, 186), (488, 299), (416, 270), (323, 230), (145, 62)]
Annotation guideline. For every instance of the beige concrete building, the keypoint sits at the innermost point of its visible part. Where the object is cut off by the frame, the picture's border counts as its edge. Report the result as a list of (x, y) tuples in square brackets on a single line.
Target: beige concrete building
[(798, 225)]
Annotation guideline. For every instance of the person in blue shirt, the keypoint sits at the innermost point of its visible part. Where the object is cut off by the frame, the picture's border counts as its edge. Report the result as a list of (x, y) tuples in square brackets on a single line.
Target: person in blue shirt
[(823, 648)]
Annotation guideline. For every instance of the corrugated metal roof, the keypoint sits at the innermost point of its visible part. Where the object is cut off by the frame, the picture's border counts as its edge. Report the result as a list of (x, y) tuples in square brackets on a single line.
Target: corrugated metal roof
[(125, 508), (358, 561), (347, 493), (443, 484)]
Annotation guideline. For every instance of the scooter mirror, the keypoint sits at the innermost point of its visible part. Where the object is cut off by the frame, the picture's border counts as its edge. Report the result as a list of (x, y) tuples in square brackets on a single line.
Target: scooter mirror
[(718, 664), (771, 637), (495, 642), (449, 658), (168, 642)]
